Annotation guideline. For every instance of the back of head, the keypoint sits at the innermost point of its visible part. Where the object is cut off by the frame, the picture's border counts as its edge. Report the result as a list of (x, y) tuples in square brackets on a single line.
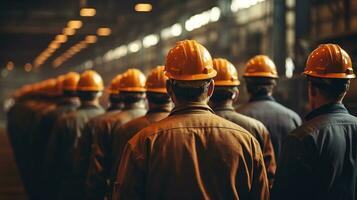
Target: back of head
[(132, 86), (190, 71), (156, 86), (329, 68), (90, 85), (260, 75), (69, 84), (226, 81)]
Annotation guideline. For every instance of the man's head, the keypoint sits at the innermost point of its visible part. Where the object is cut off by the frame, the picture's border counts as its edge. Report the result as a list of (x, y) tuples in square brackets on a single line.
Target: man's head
[(131, 86), (69, 84), (226, 82), (90, 86), (260, 75), (328, 71), (190, 71), (156, 87)]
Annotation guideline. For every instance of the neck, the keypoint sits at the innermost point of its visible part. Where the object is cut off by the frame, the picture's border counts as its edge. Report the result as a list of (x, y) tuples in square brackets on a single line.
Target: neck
[(225, 103), (153, 106), (90, 103)]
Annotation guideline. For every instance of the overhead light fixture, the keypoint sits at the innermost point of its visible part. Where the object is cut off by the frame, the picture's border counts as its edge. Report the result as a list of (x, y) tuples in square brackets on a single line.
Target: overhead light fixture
[(143, 7), (150, 40), (134, 46), (54, 45), (104, 31), (91, 39), (61, 38), (10, 66), (75, 24), (68, 31), (87, 12)]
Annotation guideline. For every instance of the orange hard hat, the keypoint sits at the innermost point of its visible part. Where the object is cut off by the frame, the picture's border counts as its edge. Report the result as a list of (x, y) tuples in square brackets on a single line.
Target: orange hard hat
[(70, 81), (59, 84), (329, 61), (260, 66), (133, 80), (156, 80), (90, 81), (189, 61), (50, 87), (227, 74), (115, 84)]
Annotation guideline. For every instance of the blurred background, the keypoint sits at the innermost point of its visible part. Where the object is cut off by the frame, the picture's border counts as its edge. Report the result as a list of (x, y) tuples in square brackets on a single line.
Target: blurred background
[(40, 39)]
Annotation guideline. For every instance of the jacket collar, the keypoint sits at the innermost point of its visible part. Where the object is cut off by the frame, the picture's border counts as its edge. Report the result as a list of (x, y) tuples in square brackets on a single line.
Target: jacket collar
[(223, 107), (161, 108), (191, 108), (262, 98), (327, 108), (136, 105)]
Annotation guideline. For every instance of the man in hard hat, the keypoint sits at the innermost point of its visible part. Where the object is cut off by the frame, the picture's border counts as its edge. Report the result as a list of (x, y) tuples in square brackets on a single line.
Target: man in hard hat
[(115, 101), (319, 158), (193, 153), (67, 102), (160, 106), (260, 76), (97, 138), (225, 93), (67, 134)]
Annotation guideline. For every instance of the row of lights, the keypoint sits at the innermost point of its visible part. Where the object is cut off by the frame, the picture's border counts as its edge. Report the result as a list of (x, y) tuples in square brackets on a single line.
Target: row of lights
[(59, 39), (10, 66), (237, 5), (174, 30)]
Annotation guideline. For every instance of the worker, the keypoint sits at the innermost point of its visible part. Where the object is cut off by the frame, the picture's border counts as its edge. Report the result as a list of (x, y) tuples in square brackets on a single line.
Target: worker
[(115, 102), (260, 76), (193, 153), (67, 133), (225, 93), (97, 138), (160, 105), (319, 158), (67, 102)]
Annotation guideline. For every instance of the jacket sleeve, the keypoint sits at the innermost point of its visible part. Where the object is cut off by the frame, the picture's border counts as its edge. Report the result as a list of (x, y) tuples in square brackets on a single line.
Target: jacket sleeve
[(130, 181), (269, 157), (295, 176), (260, 184), (97, 186)]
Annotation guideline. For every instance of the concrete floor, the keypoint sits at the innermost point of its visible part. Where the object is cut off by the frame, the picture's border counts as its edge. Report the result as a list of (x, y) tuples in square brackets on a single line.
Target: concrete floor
[(11, 187)]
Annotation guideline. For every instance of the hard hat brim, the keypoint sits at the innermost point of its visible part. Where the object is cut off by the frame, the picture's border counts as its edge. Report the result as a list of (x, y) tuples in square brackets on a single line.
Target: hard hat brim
[(191, 77), (226, 83), (90, 89), (261, 74), (132, 89), (157, 90), (330, 75)]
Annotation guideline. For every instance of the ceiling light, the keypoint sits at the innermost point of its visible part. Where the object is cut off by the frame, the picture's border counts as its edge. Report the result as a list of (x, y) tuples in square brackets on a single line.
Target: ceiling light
[(75, 24), (150, 40), (10, 65), (143, 7), (134, 46), (61, 38), (69, 31), (104, 31), (91, 39), (87, 12)]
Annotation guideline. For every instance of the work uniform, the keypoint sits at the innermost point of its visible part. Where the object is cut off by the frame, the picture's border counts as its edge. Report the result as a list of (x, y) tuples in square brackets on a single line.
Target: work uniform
[(62, 153), (319, 158), (192, 154), (279, 120), (96, 148), (258, 130)]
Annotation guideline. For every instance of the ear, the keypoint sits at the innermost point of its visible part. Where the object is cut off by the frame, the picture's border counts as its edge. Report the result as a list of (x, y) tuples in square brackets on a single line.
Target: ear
[(169, 89), (210, 88), (235, 95)]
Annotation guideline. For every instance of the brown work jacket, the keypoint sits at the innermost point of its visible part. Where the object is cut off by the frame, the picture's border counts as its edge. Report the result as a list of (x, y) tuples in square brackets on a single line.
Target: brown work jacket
[(62, 153), (259, 131), (122, 134), (96, 149), (192, 154)]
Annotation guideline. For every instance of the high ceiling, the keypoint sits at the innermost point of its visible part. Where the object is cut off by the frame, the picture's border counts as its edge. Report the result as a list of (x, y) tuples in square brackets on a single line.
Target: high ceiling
[(28, 27)]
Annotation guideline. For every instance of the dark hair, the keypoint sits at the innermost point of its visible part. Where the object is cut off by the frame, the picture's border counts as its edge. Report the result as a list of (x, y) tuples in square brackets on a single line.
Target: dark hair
[(158, 98), (69, 93), (331, 88), (223, 93), (260, 86), (132, 97), (190, 90), (87, 95), (115, 98)]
